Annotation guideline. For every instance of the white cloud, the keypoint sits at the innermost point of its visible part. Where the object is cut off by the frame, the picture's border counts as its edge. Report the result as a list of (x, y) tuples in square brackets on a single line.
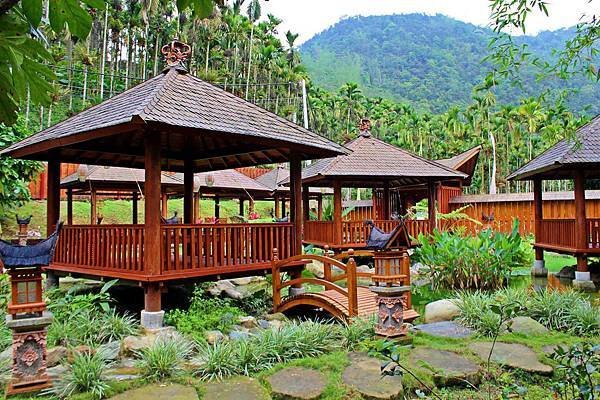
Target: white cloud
[(309, 17)]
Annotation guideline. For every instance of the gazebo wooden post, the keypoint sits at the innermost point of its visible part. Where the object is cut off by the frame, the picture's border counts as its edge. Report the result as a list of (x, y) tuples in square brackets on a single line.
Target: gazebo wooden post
[(337, 212), (432, 188), (134, 208), (320, 206), (152, 315), (539, 267), (277, 208), (164, 205), (217, 207), (283, 208), (188, 192), (296, 218), (241, 207), (305, 203), (386, 200), (196, 206), (69, 206), (94, 207), (583, 278), (251, 205), (52, 210)]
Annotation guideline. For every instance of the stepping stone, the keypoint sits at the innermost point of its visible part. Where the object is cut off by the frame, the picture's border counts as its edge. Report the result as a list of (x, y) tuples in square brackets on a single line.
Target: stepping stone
[(242, 388), (295, 383), (446, 329), (449, 368), (159, 392), (513, 355), (364, 376)]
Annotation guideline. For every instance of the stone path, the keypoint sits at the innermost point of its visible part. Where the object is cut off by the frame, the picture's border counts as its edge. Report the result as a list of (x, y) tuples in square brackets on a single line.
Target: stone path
[(364, 376), (513, 355), (447, 329), (242, 388), (297, 383), (159, 392), (449, 368)]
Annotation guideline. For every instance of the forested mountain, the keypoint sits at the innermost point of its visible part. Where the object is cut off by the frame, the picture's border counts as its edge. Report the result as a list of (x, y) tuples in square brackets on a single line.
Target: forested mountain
[(431, 62)]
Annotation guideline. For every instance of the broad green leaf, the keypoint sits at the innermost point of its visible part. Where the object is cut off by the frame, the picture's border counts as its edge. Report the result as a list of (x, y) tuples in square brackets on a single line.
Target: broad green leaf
[(203, 8), (56, 15), (33, 11), (182, 5), (98, 4)]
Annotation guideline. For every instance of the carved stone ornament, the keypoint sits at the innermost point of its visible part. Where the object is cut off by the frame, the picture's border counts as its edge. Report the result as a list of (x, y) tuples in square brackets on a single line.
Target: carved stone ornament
[(390, 316), (176, 53)]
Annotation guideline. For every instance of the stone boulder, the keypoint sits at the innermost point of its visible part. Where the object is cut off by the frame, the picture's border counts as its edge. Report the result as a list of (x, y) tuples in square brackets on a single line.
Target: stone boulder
[(447, 329), (567, 272), (526, 326), (133, 344), (295, 383), (55, 355), (441, 310), (364, 376), (239, 288), (316, 268), (248, 322), (213, 337)]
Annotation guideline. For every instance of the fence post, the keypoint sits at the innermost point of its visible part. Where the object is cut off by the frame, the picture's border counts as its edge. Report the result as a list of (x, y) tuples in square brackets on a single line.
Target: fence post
[(352, 285), (276, 280)]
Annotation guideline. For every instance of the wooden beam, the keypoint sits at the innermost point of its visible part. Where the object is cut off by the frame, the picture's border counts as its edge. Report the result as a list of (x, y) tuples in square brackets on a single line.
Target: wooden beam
[(152, 236), (296, 203), (337, 212), (70, 206), (320, 207), (188, 192), (277, 210), (581, 238), (196, 206), (53, 196), (164, 207), (538, 215), (217, 207), (241, 207), (386, 200)]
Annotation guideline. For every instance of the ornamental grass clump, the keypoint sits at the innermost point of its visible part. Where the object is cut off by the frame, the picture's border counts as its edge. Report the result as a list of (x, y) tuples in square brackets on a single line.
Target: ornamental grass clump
[(484, 261), (85, 375), (165, 359), (568, 311)]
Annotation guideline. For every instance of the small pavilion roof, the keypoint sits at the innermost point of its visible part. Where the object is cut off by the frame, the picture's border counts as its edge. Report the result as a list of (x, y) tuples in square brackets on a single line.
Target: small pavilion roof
[(113, 179), (464, 162), (196, 121), (276, 178), (373, 162), (227, 183), (520, 197), (561, 160)]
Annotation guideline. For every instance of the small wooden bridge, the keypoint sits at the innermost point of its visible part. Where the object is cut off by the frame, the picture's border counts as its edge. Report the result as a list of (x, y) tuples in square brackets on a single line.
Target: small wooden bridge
[(343, 303)]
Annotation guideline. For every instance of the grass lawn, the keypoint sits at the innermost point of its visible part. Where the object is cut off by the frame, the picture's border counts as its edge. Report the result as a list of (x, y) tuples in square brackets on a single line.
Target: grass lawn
[(120, 212), (554, 262)]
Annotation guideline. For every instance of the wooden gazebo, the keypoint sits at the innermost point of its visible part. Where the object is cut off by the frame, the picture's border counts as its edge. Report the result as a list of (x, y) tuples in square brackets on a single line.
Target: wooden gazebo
[(577, 159), (377, 165), (172, 122)]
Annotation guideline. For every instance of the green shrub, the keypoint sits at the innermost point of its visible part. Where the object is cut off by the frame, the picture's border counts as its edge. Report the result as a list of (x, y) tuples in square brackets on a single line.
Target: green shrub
[(84, 376), (204, 314), (484, 261), (164, 359), (567, 311), (269, 347), (357, 332)]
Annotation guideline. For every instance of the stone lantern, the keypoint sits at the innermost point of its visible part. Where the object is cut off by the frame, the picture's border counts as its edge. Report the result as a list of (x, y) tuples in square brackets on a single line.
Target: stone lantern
[(391, 280), (27, 316)]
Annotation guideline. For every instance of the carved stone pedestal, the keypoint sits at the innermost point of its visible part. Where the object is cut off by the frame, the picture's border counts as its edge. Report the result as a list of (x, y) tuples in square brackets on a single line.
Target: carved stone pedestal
[(29, 353), (391, 303)]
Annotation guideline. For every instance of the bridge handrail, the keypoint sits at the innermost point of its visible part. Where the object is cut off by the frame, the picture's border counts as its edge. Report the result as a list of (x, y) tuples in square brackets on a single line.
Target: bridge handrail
[(350, 275)]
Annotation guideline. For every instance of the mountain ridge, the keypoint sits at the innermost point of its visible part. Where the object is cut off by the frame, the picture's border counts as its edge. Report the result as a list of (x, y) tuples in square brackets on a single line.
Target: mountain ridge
[(431, 62)]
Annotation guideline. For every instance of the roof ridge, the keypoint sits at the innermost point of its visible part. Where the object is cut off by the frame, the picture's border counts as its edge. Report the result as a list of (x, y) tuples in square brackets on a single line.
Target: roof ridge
[(579, 132), (153, 99)]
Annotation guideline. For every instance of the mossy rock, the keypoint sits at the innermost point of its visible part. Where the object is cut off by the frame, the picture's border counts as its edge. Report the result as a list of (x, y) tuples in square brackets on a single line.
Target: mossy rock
[(296, 383), (240, 388), (448, 368)]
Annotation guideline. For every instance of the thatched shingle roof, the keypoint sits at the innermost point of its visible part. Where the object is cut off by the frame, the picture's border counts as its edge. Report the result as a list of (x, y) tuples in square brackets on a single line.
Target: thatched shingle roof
[(518, 197), (373, 162), (566, 156), (196, 120)]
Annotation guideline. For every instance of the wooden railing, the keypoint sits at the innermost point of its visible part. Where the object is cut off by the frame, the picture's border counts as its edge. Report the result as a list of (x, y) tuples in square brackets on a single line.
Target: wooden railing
[(206, 249), (417, 226), (558, 232), (593, 229), (117, 248), (319, 231)]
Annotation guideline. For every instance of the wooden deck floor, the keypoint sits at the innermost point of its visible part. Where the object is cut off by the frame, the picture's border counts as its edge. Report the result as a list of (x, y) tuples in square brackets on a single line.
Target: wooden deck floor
[(336, 303)]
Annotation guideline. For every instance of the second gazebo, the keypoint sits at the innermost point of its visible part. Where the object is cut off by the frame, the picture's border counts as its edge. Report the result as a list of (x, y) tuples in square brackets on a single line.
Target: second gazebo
[(377, 165)]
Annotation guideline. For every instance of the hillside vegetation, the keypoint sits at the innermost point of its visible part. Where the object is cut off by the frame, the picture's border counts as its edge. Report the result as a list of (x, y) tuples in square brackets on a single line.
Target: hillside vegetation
[(431, 62)]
